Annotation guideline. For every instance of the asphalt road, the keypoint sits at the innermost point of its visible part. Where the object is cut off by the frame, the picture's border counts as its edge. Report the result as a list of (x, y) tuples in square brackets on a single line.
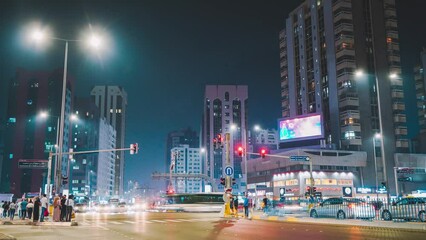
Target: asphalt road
[(189, 226)]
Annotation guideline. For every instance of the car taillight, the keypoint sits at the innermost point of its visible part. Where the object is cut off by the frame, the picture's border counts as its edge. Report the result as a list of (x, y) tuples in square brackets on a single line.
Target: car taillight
[(351, 205)]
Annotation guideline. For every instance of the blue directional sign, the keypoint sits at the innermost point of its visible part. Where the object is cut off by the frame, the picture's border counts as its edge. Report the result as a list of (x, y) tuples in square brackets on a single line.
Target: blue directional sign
[(229, 171), (299, 158)]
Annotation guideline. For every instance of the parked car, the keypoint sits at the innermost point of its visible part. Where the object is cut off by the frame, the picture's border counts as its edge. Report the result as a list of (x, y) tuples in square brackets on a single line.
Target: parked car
[(405, 208), (342, 208)]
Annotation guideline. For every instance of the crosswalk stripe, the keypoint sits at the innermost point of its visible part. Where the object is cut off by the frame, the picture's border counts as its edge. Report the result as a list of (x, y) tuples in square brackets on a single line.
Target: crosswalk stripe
[(116, 223), (185, 220), (172, 220), (131, 222), (160, 221)]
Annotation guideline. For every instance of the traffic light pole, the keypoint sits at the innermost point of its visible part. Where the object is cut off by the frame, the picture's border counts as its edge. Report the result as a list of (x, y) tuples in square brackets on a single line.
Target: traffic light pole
[(228, 179)]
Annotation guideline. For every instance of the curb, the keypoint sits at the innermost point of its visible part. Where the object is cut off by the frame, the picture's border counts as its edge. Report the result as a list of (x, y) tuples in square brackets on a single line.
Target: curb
[(4, 236), (298, 221), (65, 224)]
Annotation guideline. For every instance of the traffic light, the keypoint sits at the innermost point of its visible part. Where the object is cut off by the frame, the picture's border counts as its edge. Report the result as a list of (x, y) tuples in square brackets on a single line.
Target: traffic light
[(384, 185), (240, 151), (219, 139), (233, 181), (263, 152), (215, 143), (170, 192), (134, 148), (314, 189), (222, 181), (64, 180), (70, 156)]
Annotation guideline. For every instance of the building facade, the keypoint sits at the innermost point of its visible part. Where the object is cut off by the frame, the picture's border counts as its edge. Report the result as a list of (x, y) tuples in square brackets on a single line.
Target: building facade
[(224, 106), (30, 137), (187, 161), (337, 56), (106, 165), (112, 102), (332, 170), (420, 82), (85, 138), (177, 138)]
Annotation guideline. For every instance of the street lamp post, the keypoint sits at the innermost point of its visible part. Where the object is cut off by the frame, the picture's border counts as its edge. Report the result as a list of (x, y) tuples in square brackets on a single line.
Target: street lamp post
[(376, 136), (95, 42)]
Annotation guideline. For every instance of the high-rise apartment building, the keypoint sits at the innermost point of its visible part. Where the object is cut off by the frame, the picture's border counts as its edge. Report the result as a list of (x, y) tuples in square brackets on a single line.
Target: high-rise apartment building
[(177, 138), (106, 165), (224, 106), (112, 102), (29, 136), (337, 56), (85, 138), (187, 160), (420, 82)]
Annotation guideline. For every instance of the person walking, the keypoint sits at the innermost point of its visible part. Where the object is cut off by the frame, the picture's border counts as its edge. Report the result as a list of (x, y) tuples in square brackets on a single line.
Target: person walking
[(236, 205), (12, 209), (70, 206), (36, 211), (246, 206), (265, 204), (24, 204), (30, 207), (18, 206), (231, 204), (56, 209), (63, 208), (44, 206), (6, 209)]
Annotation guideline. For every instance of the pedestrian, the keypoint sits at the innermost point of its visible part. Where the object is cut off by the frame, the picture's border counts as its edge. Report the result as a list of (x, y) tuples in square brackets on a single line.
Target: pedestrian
[(56, 209), (246, 206), (70, 206), (231, 204), (30, 207), (36, 211), (2, 209), (265, 204), (12, 209), (236, 205), (24, 205), (44, 205), (6, 209), (18, 206), (63, 208)]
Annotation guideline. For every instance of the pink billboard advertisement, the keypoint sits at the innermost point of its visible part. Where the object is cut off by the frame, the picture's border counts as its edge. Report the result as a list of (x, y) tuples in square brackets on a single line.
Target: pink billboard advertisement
[(293, 129)]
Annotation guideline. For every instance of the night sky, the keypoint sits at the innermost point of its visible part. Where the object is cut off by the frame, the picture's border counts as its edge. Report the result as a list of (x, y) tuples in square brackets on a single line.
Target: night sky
[(164, 52)]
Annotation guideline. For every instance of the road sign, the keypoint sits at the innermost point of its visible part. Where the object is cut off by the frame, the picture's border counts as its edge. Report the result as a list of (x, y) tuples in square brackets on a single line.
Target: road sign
[(282, 192), (32, 163), (229, 171), (347, 191), (300, 158)]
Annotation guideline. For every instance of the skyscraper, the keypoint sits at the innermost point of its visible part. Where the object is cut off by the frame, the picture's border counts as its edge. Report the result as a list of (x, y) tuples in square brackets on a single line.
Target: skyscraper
[(31, 138), (182, 137), (224, 106), (332, 54), (420, 82), (112, 102)]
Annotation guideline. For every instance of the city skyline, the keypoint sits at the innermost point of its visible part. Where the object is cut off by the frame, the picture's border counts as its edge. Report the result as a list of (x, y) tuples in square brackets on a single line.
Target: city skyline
[(229, 52)]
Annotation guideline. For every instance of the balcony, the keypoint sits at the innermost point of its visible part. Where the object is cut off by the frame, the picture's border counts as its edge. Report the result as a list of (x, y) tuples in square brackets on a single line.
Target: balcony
[(401, 143), (348, 101), (401, 131), (347, 142), (349, 114), (397, 94), (344, 52), (356, 127), (400, 118)]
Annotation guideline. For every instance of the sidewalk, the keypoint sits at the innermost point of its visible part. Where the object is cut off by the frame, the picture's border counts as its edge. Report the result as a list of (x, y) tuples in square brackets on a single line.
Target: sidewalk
[(303, 218), (30, 222)]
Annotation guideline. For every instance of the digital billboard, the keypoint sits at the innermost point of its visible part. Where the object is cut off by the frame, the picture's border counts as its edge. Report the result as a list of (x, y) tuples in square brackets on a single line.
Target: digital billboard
[(306, 127)]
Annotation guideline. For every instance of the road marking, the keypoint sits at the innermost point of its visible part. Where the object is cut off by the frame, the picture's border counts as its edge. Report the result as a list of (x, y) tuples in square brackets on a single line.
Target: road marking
[(131, 222), (159, 221), (114, 222), (171, 220), (185, 220)]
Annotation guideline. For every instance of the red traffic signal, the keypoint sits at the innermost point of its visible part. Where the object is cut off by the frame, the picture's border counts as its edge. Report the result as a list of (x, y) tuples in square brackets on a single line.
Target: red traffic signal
[(263, 152), (134, 148), (240, 151), (222, 181)]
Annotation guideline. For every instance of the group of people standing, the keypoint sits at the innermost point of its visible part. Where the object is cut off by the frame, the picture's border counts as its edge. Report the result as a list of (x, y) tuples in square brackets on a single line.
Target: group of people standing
[(234, 203), (37, 208)]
